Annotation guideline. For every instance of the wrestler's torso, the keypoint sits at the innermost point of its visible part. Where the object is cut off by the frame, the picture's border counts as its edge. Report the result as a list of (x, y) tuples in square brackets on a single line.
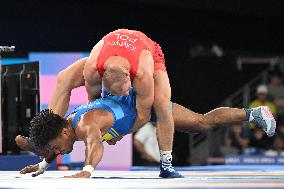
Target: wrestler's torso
[(115, 115)]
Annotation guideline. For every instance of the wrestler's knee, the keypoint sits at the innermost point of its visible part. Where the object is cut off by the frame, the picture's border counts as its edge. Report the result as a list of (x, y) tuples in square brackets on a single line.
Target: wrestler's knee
[(162, 109), (202, 123)]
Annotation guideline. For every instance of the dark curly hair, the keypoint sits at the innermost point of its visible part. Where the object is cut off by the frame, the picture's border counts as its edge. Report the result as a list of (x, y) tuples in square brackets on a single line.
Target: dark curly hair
[(46, 126)]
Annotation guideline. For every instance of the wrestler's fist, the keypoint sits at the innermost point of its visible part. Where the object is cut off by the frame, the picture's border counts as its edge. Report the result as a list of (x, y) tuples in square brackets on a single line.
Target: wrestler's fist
[(82, 174), (32, 169)]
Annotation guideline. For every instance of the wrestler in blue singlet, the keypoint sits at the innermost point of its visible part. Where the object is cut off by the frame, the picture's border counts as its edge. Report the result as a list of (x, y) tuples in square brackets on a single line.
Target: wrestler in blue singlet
[(123, 109)]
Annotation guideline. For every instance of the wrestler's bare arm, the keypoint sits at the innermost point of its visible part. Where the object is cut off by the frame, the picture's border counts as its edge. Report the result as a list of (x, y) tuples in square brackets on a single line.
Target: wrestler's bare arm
[(93, 89), (36, 169), (144, 88), (94, 149), (93, 142), (93, 82), (68, 79)]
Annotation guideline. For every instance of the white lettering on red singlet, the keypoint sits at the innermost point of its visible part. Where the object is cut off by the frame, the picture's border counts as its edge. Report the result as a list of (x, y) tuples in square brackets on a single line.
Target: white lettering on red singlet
[(124, 41)]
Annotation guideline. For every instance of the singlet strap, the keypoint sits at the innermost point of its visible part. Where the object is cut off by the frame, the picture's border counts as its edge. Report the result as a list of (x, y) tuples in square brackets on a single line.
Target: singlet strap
[(78, 115)]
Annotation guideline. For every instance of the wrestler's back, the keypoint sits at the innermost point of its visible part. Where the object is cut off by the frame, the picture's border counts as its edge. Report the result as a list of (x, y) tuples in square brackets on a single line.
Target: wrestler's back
[(112, 59), (91, 64)]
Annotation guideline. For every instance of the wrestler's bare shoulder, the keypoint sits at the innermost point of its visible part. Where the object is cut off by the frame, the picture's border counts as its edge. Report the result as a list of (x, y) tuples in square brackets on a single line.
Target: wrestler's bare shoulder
[(95, 119)]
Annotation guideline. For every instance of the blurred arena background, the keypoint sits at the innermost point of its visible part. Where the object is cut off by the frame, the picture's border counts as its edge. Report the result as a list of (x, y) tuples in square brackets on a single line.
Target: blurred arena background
[(217, 54)]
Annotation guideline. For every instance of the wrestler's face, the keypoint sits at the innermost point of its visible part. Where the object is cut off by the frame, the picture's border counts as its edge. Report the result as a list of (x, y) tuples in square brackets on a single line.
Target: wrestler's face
[(62, 144), (120, 89)]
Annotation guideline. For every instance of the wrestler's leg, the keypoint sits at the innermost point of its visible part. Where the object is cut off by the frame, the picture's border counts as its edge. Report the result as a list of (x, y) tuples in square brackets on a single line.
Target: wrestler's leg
[(165, 123), (188, 121)]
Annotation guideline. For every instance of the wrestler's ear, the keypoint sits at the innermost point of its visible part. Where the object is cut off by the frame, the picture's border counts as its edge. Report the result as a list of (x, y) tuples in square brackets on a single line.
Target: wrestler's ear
[(65, 132), (126, 72)]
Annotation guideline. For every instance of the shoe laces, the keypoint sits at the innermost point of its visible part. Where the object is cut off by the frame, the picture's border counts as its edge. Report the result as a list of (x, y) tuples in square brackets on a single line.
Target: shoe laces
[(168, 167)]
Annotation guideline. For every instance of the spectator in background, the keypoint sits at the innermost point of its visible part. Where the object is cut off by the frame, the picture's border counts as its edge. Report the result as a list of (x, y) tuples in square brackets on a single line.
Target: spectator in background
[(262, 100), (276, 91), (146, 144), (236, 140)]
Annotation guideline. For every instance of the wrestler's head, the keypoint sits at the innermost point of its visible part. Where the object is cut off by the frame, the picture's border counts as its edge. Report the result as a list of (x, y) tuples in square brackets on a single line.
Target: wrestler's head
[(117, 81), (51, 132)]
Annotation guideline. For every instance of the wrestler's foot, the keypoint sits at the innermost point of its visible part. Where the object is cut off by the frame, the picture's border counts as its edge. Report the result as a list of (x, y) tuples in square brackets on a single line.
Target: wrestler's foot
[(25, 143), (263, 118), (168, 171)]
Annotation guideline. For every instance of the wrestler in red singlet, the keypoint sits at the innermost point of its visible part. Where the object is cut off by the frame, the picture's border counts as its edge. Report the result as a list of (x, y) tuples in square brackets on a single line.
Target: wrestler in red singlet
[(128, 44)]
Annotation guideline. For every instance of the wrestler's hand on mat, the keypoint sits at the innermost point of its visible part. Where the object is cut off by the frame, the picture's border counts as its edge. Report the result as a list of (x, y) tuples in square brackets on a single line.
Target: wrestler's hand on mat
[(114, 140), (36, 169), (82, 174), (29, 169), (32, 169)]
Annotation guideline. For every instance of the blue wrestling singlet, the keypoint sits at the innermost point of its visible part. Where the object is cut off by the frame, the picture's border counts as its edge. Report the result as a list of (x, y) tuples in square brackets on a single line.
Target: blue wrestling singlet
[(123, 109)]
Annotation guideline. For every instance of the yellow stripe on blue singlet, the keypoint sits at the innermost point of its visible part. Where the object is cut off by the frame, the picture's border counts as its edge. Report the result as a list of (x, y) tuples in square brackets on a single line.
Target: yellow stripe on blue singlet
[(110, 134), (115, 131), (107, 137)]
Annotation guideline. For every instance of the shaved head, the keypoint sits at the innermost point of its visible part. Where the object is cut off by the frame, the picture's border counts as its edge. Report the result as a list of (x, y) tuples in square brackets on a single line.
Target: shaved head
[(117, 80)]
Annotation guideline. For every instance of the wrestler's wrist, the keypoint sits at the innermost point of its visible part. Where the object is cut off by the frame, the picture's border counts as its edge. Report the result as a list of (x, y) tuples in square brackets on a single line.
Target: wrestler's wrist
[(88, 168), (43, 165)]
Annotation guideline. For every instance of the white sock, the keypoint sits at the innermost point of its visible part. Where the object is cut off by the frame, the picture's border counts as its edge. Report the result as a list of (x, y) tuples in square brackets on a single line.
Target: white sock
[(251, 116), (166, 156)]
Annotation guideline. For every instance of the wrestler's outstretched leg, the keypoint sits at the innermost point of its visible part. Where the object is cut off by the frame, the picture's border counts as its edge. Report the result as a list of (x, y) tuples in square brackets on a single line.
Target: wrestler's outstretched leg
[(188, 121)]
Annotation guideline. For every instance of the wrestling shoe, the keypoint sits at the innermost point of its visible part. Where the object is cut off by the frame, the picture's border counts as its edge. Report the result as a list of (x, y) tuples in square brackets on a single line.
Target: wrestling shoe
[(168, 171), (26, 143), (263, 118)]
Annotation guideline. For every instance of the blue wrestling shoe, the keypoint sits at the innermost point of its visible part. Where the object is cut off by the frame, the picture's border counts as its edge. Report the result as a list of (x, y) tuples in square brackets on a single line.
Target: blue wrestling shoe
[(168, 171), (263, 118)]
